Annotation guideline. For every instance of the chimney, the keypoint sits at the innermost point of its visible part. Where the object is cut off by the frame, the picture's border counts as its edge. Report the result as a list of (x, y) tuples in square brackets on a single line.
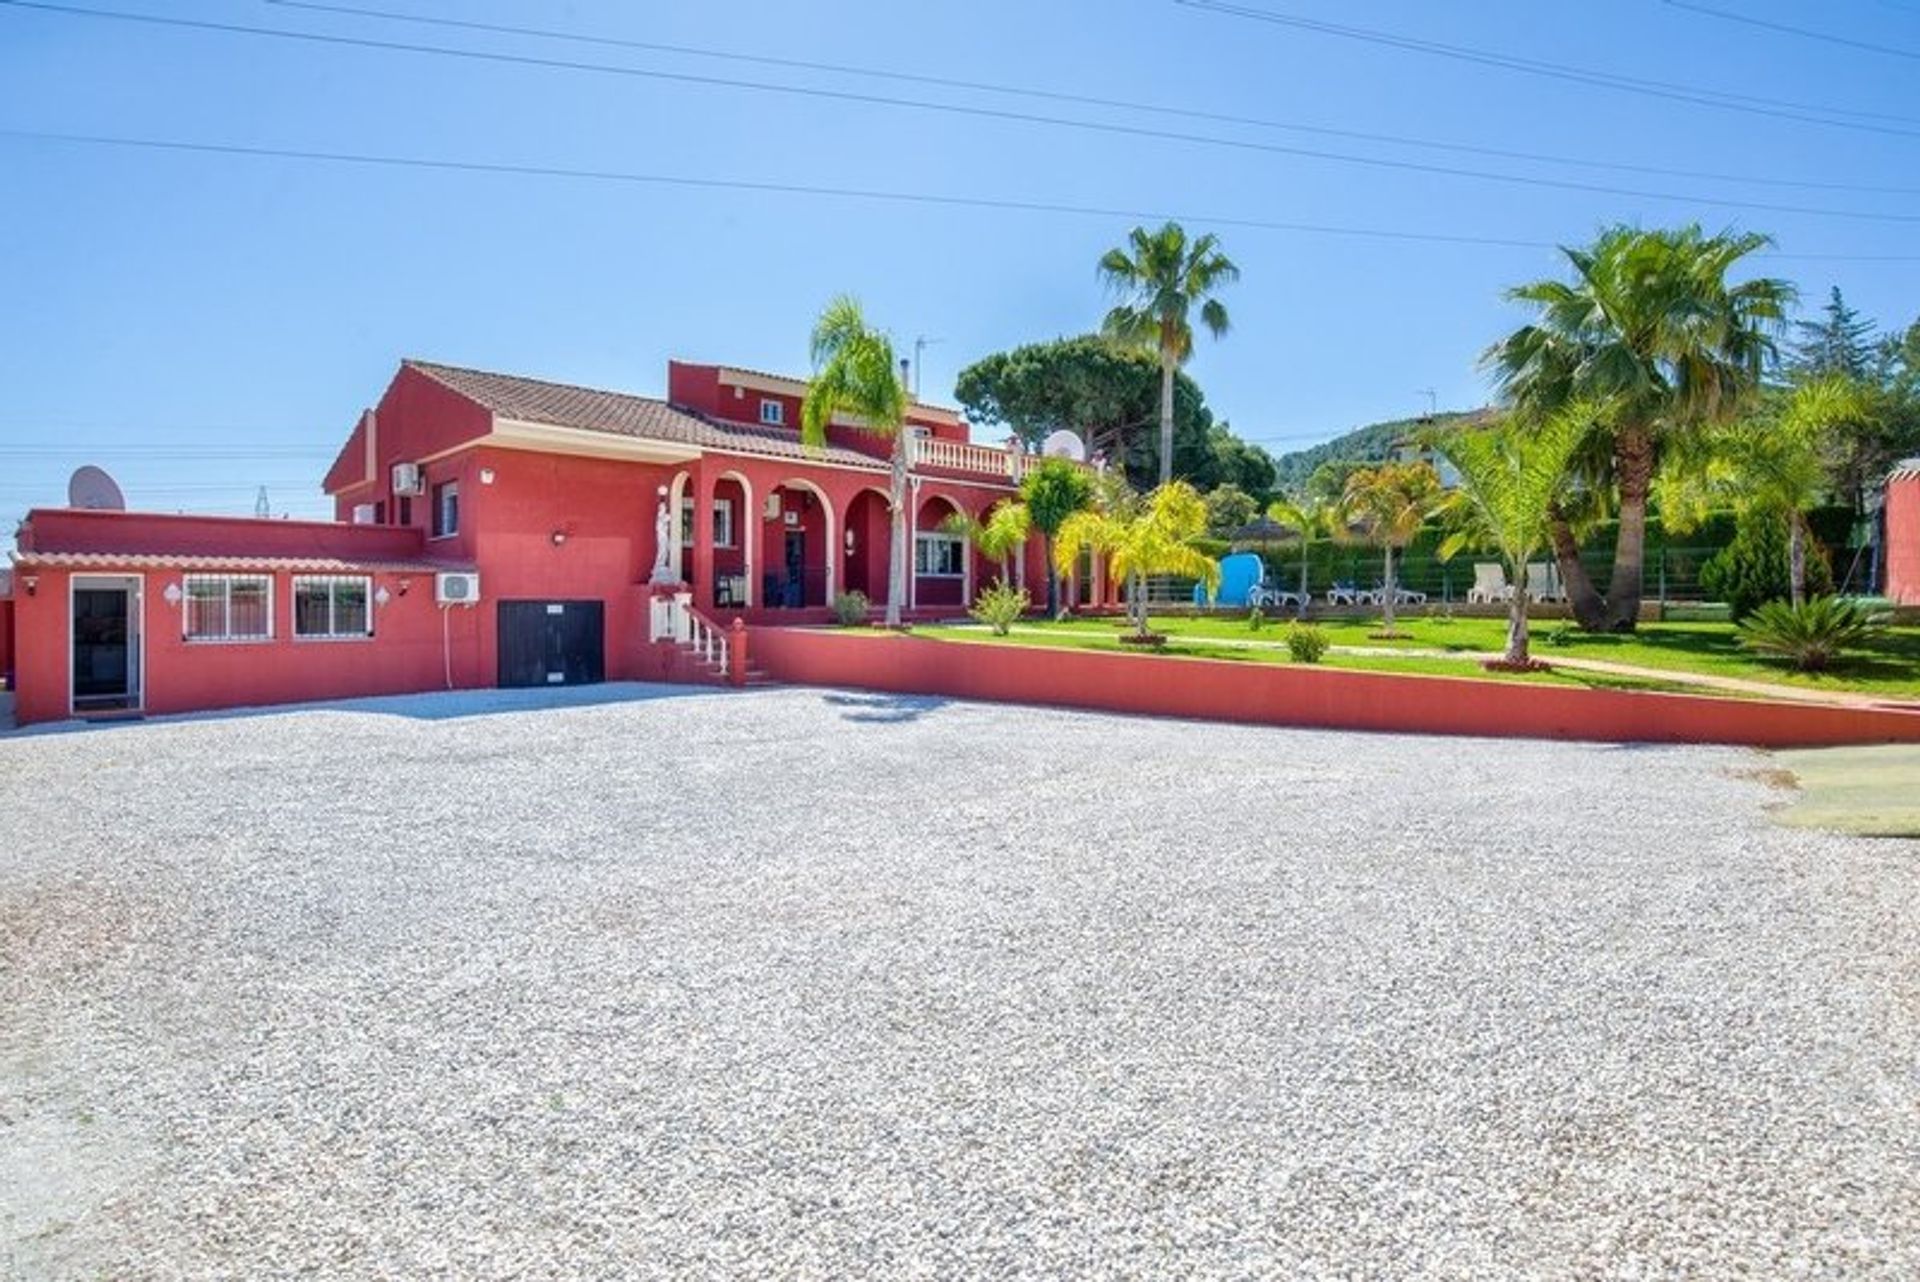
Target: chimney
[(906, 368)]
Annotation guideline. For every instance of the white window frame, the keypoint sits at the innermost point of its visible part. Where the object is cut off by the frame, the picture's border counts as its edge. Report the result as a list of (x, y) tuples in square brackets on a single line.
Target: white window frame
[(332, 581), (723, 527), (773, 413), (924, 540), (226, 635)]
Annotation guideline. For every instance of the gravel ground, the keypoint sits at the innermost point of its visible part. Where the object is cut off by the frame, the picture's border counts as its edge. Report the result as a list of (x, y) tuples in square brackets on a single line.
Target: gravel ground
[(792, 983)]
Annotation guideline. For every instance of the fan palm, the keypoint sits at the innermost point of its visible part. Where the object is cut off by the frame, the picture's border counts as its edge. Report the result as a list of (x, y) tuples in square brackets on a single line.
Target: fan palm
[(1650, 325), (854, 373), (1388, 503), (1508, 479), (1150, 536), (1162, 277)]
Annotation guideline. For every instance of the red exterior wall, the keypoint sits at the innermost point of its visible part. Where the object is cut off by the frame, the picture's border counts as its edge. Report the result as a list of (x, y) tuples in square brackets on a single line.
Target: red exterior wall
[(404, 654), (1903, 538), (79, 530), (6, 638), (417, 418), (1281, 695)]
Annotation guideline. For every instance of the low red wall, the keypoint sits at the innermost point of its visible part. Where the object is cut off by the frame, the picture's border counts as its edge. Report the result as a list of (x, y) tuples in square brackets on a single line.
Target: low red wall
[(1294, 695)]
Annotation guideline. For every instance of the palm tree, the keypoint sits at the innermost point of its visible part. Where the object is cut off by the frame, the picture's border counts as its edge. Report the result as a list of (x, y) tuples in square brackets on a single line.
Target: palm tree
[(1152, 536), (854, 373), (1651, 326), (1508, 479), (1161, 280), (1389, 502), (1308, 516), (1003, 533), (1771, 465)]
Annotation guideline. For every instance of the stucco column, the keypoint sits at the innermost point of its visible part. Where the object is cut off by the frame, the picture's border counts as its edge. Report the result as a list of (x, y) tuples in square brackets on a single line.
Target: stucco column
[(702, 577)]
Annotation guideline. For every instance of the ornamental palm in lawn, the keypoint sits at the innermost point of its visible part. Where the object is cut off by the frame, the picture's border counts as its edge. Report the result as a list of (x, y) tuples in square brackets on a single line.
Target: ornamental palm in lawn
[(1508, 478), (1052, 491), (1388, 503), (1154, 535), (1162, 277), (854, 373), (1649, 324), (1771, 465), (1310, 517), (1002, 534)]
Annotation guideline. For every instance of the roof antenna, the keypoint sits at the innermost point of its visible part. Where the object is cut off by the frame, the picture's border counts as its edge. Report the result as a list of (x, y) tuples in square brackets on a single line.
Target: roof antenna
[(920, 344), (1433, 406)]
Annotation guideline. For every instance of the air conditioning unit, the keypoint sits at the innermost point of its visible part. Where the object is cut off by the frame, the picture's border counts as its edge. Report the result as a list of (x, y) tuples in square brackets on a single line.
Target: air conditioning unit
[(773, 507), (456, 587), (407, 479), (365, 514)]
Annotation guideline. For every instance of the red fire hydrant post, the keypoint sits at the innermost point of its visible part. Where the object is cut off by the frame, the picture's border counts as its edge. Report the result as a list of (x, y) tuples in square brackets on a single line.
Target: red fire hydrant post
[(737, 653)]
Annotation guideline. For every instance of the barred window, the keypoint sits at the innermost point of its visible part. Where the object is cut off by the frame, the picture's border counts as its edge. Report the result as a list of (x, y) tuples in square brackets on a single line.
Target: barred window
[(228, 607), (332, 606)]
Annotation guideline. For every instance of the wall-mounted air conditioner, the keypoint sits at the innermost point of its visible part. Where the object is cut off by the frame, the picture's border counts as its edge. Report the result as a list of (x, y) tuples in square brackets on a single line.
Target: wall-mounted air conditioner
[(456, 587), (773, 506), (407, 479)]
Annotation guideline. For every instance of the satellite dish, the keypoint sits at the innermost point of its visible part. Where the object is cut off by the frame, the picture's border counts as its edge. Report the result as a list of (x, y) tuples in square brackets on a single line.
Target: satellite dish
[(90, 487), (1064, 444)]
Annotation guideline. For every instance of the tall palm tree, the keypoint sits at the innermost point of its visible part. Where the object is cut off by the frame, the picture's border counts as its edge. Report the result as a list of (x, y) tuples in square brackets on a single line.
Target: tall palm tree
[(1308, 516), (1161, 276), (1772, 465), (1155, 536), (1651, 326), (1052, 491), (1003, 533), (1508, 478), (854, 373), (1388, 503)]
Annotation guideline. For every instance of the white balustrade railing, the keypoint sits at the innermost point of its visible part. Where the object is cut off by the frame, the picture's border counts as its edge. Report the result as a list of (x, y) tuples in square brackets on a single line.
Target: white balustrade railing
[(675, 619), (962, 456)]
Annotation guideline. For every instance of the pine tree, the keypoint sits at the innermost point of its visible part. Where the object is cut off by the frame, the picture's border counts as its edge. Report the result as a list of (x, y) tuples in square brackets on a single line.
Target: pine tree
[(1839, 343)]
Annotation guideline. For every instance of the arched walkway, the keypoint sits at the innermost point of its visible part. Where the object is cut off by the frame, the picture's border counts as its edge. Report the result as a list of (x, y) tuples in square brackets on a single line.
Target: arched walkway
[(942, 566), (798, 546)]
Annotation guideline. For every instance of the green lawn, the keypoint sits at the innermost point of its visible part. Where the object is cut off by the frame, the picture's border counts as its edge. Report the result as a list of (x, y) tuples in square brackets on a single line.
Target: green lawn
[(1889, 668)]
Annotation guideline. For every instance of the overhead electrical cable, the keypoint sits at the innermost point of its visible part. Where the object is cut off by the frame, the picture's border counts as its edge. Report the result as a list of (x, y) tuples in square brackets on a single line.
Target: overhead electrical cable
[(992, 113), (1805, 33), (501, 168)]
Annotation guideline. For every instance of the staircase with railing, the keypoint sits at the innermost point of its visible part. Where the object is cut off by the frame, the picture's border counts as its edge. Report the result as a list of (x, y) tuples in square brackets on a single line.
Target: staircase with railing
[(707, 651)]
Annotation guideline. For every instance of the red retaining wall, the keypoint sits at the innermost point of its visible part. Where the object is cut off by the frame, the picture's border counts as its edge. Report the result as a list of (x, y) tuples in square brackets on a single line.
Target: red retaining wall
[(1297, 695)]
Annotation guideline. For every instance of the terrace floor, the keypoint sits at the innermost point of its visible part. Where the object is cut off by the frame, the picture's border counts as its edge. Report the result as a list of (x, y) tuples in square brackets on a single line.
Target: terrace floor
[(659, 981)]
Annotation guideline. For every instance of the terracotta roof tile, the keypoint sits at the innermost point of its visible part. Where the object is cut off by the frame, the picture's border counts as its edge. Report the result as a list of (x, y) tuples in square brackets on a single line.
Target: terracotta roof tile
[(621, 414), (196, 561)]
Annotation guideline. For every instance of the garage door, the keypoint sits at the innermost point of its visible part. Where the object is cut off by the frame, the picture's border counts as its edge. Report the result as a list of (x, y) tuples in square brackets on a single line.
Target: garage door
[(552, 643)]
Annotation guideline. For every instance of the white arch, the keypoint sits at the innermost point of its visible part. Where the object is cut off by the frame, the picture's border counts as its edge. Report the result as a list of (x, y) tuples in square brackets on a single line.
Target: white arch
[(746, 528), (913, 533), (826, 507)]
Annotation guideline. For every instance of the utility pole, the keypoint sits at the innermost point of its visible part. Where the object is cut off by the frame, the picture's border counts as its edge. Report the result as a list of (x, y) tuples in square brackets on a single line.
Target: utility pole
[(920, 344), (260, 505), (1433, 403)]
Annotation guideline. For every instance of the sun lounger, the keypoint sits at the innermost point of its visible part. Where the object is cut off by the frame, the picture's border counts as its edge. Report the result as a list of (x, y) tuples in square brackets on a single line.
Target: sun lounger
[(1543, 582), (1489, 584)]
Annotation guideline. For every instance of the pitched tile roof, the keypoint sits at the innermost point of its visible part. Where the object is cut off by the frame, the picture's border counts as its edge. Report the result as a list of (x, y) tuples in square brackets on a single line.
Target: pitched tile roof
[(590, 409), (208, 561)]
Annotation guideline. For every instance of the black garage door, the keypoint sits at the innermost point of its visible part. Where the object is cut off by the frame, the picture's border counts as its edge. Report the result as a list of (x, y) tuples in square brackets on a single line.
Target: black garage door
[(552, 643)]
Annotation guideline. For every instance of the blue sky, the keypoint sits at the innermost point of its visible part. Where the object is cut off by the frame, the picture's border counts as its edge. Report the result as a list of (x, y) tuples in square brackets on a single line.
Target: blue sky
[(206, 324)]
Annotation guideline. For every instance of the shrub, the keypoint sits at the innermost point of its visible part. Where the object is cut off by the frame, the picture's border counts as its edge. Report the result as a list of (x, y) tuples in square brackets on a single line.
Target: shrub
[(1306, 642), (1255, 619), (1812, 634), (850, 609), (1753, 568), (1562, 634), (999, 605)]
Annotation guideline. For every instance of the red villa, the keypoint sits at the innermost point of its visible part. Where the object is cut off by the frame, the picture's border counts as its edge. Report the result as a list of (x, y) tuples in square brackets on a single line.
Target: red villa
[(499, 530)]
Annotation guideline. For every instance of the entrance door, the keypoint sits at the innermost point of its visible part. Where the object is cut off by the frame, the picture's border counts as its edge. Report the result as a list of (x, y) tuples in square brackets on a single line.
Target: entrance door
[(552, 643), (795, 595), (106, 644)]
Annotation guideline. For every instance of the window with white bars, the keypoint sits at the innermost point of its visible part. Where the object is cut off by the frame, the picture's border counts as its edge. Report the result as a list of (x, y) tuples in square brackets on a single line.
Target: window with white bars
[(227, 607), (332, 606), (939, 556)]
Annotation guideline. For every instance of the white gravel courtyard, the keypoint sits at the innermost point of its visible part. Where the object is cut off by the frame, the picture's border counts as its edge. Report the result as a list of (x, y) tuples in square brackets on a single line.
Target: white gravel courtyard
[(658, 982)]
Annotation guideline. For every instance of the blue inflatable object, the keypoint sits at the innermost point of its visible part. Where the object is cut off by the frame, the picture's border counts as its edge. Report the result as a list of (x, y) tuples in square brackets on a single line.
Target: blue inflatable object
[(1239, 574)]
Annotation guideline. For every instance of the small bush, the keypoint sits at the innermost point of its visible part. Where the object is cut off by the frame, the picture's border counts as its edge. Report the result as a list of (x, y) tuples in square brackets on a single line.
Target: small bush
[(1255, 619), (1306, 643), (1753, 568), (850, 609), (1812, 634), (1562, 634), (999, 606)]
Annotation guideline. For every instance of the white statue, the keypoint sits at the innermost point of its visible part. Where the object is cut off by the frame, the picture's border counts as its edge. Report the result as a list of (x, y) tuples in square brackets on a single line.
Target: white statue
[(662, 545)]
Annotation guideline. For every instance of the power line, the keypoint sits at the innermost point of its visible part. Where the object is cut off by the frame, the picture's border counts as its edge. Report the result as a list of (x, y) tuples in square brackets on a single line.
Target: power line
[(1780, 109), (1805, 33), (497, 168), (1051, 95), (990, 113)]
